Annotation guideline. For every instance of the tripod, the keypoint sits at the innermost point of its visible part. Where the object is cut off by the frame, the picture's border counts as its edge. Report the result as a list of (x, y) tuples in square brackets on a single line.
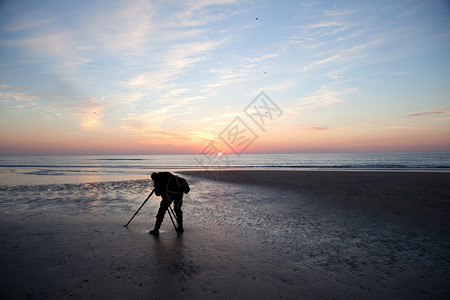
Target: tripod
[(169, 210)]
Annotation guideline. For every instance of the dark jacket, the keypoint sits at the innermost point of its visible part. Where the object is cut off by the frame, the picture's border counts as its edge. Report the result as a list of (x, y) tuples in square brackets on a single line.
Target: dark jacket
[(170, 186)]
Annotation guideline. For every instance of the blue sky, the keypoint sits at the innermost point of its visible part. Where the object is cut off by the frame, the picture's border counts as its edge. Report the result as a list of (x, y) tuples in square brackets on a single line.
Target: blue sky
[(168, 76)]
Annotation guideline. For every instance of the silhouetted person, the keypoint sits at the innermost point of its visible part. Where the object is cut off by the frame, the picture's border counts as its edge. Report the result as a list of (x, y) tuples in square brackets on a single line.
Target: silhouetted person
[(171, 188)]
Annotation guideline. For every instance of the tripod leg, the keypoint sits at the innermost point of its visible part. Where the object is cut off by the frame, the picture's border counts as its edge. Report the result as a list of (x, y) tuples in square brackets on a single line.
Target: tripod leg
[(126, 225), (173, 213), (170, 211), (179, 220)]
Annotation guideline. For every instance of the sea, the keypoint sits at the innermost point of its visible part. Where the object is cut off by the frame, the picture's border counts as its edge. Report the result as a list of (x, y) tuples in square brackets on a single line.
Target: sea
[(30, 170)]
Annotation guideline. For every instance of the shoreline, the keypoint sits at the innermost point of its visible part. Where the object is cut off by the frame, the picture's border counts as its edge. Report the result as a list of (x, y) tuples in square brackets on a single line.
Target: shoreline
[(18, 179), (417, 195), (423, 196)]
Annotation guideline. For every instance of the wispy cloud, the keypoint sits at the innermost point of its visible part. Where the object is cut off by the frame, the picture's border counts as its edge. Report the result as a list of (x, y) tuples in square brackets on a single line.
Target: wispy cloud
[(30, 20), (162, 116), (149, 129), (280, 85), (398, 73), (60, 48), (425, 114), (12, 87), (406, 127), (89, 113), (17, 96), (121, 29), (334, 13), (337, 74), (348, 54), (260, 58), (224, 80), (311, 127), (328, 94), (197, 13), (355, 36)]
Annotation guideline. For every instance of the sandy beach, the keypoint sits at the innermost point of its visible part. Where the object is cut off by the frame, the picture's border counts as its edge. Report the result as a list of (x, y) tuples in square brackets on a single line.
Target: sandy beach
[(248, 235)]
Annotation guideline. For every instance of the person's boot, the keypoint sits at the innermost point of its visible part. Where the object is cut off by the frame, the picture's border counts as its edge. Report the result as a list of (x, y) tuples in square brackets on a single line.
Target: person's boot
[(180, 228), (155, 230)]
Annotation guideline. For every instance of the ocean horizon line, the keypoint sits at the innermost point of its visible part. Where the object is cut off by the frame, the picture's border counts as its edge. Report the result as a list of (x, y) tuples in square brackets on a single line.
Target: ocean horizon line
[(221, 153)]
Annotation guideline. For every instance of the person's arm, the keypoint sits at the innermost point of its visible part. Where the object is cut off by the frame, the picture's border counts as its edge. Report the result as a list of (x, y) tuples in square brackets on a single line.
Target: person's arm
[(185, 186), (156, 185)]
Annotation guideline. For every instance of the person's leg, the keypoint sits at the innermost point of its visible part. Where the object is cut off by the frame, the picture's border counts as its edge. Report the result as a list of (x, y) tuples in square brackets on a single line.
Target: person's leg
[(179, 213), (160, 217)]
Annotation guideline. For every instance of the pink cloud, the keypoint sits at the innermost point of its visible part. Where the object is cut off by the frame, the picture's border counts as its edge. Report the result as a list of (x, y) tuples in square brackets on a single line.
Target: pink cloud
[(426, 113), (312, 127)]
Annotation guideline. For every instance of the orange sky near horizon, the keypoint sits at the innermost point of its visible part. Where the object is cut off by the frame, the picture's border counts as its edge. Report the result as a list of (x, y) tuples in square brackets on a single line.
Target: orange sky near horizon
[(277, 139)]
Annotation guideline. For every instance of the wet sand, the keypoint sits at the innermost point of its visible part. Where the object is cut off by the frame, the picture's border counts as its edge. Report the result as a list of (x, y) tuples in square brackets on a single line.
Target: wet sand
[(248, 234), (416, 195)]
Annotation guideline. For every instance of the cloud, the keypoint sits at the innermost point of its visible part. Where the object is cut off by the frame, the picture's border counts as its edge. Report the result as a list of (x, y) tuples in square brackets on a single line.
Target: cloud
[(281, 85), (425, 113), (358, 34), (398, 73), (224, 80), (348, 54), (328, 94), (311, 127), (142, 28), (59, 48), (318, 128), (243, 69), (12, 87), (196, 13), (127, 33), (333, 13), (163, 137), (262, 57), (149, 129), (326, 28), (154, 49), (170, 64), (221, 77), (163, 116), (17, 96), (406, 127), (334, 40), (89, 113), (28, 20), (120, 29), (183, 55), (337, 74)]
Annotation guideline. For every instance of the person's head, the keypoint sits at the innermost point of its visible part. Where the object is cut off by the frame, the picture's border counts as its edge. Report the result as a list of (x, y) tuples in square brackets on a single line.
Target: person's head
[(154, 176)]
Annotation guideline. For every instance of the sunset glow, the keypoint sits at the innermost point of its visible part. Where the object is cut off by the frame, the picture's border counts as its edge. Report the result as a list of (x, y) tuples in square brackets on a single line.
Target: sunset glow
[(149, 77)]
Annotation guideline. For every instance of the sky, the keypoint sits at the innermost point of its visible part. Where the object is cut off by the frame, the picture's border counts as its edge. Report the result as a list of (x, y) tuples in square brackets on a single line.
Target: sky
[(210, 76)]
